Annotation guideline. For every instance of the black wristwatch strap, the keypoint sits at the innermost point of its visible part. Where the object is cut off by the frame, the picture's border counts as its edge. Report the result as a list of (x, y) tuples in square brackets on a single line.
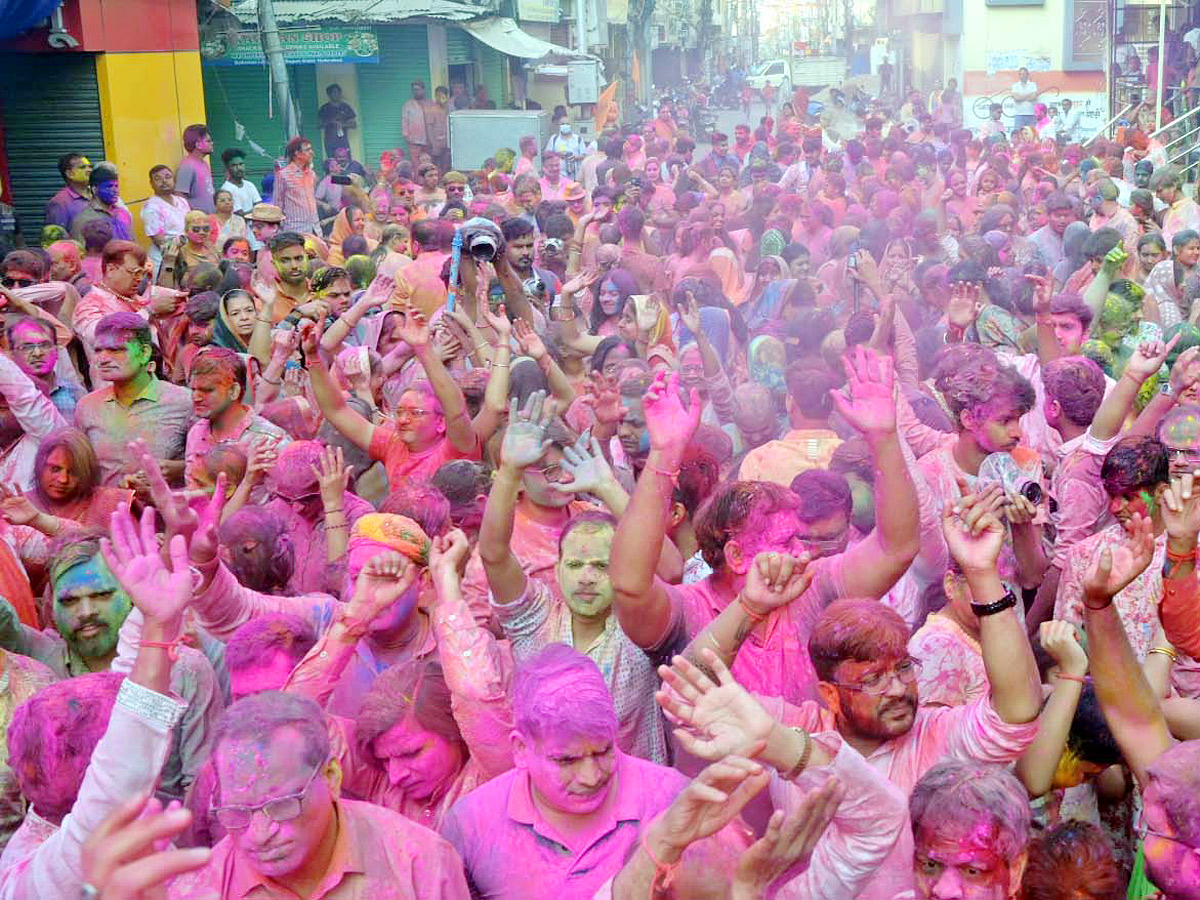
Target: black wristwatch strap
[(1008, 601)]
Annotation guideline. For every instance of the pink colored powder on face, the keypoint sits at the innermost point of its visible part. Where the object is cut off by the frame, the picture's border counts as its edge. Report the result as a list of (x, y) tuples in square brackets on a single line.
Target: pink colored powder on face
[(571, 774), (960, 867), (418, 761)]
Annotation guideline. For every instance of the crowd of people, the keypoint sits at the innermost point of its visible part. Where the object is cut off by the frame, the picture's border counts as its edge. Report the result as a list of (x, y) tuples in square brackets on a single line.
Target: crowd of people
[(813, 516)]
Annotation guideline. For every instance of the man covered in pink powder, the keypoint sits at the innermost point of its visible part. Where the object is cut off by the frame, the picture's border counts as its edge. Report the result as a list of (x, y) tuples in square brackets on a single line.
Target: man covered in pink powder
[(744, 519)]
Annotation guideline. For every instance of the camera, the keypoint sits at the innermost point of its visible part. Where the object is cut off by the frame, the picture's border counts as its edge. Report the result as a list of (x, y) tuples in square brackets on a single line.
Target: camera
[(552, 246), (534, 287), (1032, 491), (341, 179), (482, 239)]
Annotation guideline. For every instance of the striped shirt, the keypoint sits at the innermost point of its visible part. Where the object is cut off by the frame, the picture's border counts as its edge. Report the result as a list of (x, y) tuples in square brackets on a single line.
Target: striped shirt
[(295, 194)]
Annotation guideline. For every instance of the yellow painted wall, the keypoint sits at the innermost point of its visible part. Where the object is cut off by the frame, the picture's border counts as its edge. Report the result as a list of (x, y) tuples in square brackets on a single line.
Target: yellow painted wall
[(146, 100), (1036, 30)]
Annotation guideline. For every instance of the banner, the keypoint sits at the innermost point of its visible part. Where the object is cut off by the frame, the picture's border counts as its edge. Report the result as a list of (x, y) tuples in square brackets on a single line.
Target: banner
[(539, 10), (353, 44)]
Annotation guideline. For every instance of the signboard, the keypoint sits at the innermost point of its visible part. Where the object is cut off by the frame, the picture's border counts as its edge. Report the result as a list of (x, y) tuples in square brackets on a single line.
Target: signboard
[(539, 10), (353, 44), (1012, 60)]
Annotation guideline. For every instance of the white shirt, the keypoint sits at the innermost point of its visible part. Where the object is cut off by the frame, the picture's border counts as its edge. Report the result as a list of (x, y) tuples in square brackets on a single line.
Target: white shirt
[(1023, 96), (1070, 125), (244, 197), (163, 219)]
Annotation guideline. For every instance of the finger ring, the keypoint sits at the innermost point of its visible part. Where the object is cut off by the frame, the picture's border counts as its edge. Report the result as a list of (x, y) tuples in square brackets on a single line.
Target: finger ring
[(89, 892)]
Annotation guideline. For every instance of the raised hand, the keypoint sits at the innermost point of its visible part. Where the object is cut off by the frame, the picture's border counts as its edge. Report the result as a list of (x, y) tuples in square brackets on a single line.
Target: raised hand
[(1112, 572), (1149, 357), (383, 580), (447, 555), (333, 476), (712, 800), (775, 580), (525, 440), (789, 840), (413, 328), (582, 281), (1180, 507), (586, 465), (1114, 261), (1043, 291), (964, 305), (670, 423), (15, 507), (1059, 641), (498, 321), (529, 340), (689, 313), (871, 408), (284, 343), (714, 720), (446, 345), (160, 591), (603, 399), (310, 338), (974, 535), (123, 858), (261, 459)]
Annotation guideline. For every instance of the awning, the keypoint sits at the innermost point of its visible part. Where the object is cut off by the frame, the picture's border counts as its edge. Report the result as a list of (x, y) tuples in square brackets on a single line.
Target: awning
[(288, 12), (18, 16), (505, 35)]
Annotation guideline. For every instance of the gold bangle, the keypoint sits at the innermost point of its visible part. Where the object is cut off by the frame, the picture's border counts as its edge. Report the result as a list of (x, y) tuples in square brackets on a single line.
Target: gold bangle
[(805, 755), (1166, 651)]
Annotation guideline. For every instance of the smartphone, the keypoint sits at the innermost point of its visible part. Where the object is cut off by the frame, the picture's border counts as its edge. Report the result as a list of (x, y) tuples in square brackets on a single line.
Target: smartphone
[(341, 179)]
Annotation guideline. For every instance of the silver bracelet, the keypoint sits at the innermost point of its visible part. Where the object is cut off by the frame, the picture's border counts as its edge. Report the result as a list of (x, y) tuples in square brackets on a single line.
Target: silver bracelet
[(150, 705)]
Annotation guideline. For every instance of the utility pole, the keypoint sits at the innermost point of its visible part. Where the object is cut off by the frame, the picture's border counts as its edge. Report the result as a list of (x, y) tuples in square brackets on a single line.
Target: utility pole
[(277, 66)]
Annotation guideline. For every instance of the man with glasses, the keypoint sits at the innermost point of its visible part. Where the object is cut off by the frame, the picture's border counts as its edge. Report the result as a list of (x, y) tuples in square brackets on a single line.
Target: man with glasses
[(431, 426), (546, 558), (76, 192), (290, 833), (124, 286), (868, 680), (34, 344)]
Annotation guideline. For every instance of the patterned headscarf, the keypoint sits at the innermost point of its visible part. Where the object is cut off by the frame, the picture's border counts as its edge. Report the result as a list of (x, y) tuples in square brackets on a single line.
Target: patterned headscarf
[(376, 532)]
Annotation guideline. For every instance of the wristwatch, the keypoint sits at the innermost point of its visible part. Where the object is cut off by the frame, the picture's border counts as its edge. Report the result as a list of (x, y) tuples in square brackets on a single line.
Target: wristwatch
[(1008, 601)]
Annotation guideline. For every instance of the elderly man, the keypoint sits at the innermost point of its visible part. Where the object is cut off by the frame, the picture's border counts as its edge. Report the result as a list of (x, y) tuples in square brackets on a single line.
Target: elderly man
[(290, 833), (125, 269)]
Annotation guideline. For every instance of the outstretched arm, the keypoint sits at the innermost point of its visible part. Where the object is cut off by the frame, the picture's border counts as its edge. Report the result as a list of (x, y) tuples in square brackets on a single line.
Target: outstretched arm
[(524, 444), (414, 330), (333, 405), (1130, 707), (642, 604), (871, 567), (974, 536), (1037, 765)]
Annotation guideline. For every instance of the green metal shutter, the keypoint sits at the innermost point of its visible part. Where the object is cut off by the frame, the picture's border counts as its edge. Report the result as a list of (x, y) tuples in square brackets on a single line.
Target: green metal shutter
[(383, 88), (50, 105), (243, 93), (458, 47), (494, 75)]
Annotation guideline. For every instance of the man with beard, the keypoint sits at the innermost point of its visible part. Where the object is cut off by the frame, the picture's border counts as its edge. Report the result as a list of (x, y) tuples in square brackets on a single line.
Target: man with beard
[(519, 237), (90, 606), (291, 297), (579, 611), (868, 681)]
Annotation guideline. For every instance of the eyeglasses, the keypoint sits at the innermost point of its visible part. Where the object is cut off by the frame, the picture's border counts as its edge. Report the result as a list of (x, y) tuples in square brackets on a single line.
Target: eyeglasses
[(17, 282), (551, 472), (280, 809), (407, 412), (42, 347), (1178, 454), (816, 545), (1146, 831), (878, 683)]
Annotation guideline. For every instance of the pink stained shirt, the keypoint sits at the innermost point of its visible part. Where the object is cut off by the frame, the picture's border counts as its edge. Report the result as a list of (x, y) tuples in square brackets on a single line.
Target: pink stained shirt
[(379, 855), (952, 671), (313, 572), (401, 463), (251, 431), (1079, 491), (973, 732), (512, 853), (774, 661)]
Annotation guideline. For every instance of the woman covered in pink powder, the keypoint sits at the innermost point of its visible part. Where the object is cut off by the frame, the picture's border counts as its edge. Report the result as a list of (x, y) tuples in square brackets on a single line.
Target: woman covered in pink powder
[(426, 734)]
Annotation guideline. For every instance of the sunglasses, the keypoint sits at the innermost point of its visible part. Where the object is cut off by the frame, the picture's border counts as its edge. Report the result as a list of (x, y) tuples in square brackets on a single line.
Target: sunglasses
[(17, 282)]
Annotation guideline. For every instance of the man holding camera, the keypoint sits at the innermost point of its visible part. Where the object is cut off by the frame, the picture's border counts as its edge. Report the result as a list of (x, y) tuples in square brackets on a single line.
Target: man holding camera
[(520, 238)]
